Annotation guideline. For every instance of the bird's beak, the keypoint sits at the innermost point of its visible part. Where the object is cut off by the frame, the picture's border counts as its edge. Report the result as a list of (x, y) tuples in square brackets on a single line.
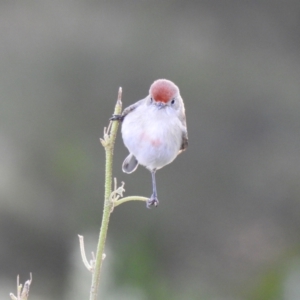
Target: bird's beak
[(160, 105)]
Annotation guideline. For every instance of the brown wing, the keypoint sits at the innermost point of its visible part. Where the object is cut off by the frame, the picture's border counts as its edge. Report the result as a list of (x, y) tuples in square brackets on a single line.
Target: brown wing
[(184, 142)]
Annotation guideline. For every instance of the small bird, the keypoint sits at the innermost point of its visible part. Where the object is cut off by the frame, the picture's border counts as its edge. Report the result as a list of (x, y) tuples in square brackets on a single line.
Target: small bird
[(154, 130)]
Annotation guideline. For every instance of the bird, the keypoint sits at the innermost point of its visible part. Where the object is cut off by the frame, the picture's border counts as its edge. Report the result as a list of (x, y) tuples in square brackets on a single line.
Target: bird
[(154, 130)]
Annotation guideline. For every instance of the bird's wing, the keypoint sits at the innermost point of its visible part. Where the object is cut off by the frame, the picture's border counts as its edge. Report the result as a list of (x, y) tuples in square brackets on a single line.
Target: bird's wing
[(184, 142)]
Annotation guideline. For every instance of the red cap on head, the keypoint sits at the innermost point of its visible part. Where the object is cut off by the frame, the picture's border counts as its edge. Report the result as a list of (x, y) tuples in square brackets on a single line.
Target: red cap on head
[(163, 90)]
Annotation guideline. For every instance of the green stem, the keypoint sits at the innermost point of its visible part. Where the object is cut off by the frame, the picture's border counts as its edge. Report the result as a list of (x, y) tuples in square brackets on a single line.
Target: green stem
[(130, 198), (108, 143)]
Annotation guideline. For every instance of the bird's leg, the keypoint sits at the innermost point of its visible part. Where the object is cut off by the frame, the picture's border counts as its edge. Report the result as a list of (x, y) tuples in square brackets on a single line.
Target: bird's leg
[(117, 118), (126, 111), (153, 199)]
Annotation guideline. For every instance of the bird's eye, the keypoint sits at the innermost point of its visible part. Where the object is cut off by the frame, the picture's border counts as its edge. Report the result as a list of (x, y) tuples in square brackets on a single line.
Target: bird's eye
[(173, 101), (151, 100)]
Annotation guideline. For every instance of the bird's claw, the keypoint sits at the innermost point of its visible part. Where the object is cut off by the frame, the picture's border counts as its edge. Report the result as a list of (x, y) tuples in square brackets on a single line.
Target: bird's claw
[(117, 118), (152, 201)]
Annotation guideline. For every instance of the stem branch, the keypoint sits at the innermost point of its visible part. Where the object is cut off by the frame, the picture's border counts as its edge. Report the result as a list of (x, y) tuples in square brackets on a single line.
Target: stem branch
[(130, 198)]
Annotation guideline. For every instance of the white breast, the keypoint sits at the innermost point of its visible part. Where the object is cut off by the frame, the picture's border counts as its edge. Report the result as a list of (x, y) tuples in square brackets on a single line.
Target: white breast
[(152, 135)]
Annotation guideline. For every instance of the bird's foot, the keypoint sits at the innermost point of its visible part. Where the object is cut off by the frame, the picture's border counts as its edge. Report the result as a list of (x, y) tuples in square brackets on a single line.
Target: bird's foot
[(152, 201), (117, 118)]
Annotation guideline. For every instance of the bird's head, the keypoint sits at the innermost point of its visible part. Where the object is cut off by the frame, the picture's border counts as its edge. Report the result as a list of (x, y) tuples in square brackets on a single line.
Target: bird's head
[(164, 93)]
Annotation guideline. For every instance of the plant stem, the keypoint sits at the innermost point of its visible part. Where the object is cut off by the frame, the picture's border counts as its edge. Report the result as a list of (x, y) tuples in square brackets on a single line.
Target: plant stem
[(130, 198), (108, 143)]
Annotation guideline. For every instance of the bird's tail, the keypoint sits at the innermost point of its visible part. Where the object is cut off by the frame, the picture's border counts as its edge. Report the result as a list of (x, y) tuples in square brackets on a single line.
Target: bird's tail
[(130, 164)]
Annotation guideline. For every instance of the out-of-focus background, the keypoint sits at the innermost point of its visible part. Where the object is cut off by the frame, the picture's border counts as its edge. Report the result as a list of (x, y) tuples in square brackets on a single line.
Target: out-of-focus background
[(228, 222)]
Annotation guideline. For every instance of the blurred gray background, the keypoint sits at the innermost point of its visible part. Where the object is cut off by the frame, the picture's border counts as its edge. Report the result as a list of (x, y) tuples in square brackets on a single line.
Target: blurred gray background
[(228, 223)]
